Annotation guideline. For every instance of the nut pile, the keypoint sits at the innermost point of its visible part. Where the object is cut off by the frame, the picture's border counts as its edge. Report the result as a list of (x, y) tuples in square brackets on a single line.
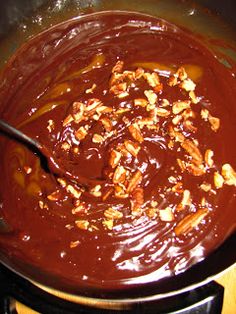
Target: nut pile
[(138, 120)]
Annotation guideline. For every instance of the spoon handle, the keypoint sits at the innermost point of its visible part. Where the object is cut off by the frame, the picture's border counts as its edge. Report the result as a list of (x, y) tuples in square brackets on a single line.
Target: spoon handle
[(4, 126)]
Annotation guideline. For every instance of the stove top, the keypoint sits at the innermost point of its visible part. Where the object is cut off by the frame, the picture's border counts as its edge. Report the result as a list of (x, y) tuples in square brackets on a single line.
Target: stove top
[(206, 299)]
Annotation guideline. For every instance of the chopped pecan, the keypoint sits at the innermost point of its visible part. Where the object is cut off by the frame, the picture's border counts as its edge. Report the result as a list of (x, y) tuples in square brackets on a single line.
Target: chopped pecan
[(173, 80), (175, 134), (78, 111), (96, 191), (107, 194), (177, 119), (188, 85), (179, 106), (206, 187), (193, 97), (162, 112), (120, 191), (151, 96), (75, 192), (118, 67), (229, 174), (190, 147), (214, 122), (134, 181), (91, 89), (81, 133), (114, 158), (178, 188), (107, 124), (188, 113), (182, 164), (132, 147), (67, 120), (188, 125), (152, 212), (54, 196), (186, 200), (92, 105), (119, 175), (191, 221), (51, 125), (140, 102), (218, 180), (97, 138), (166, 214), (79, 209), (62, 182), (205, 114), (74, 244), (165, 103), (136, 132), (112, 213), (208, 158), (65, 146), (139, 73), (82, 224), (137, 200), (108, 224), (152, 79), (195, 169), (181, 73)]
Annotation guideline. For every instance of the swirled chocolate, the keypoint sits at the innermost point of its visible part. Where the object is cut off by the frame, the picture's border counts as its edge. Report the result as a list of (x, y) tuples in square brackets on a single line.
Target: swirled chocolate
[(144, 114)]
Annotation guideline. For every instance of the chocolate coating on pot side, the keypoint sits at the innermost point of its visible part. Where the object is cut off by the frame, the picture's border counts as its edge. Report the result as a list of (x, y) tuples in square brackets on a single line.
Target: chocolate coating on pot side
[(137, 249)]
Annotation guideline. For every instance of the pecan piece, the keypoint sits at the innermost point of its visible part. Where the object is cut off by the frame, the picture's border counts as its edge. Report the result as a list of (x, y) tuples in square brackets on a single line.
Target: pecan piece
[(82, 224), (134, 181), (97, 138), (119, 175), (151, 96), (162, 112), (118, 67), (179, 106), (67, 120), (186, 201), (190, 147), (137, 200), (152, 79), (96, 191), (132, 148), (195, 170), (136, 132), (81, 133), (140, 102), (229, 174), (112, 213), (78, 111), (191, 221), (208, 158), (114, 158), (166, 214), (214, 122), (218, 180), (188, 85), (107, 124), (54, 196)]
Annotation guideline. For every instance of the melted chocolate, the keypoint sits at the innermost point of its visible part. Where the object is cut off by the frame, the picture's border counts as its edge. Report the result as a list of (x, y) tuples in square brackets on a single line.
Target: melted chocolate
[(43, 81)]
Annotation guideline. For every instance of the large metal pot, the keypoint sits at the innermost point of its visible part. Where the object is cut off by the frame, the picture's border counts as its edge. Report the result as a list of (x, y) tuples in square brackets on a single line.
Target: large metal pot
[(32, 17)]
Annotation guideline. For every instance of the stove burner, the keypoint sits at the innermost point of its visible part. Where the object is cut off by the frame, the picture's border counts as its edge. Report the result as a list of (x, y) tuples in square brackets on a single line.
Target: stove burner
[(207, 299)]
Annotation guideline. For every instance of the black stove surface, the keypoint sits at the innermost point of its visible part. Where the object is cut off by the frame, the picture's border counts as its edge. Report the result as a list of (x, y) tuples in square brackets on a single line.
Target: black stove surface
[(205, 299)]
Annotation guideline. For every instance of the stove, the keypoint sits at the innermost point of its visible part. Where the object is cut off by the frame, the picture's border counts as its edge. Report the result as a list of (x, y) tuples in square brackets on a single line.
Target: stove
[(206, 299)]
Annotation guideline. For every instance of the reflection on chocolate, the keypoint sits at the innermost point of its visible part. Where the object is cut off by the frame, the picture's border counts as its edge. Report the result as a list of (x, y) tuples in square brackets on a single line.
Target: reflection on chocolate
[(144, 110)]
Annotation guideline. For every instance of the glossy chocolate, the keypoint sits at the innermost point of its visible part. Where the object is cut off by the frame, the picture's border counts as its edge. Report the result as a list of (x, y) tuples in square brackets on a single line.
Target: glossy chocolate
[(41, 84)]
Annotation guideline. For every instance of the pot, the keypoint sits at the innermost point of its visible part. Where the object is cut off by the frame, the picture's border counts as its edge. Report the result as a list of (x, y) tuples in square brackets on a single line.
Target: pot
[(203, 23)]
